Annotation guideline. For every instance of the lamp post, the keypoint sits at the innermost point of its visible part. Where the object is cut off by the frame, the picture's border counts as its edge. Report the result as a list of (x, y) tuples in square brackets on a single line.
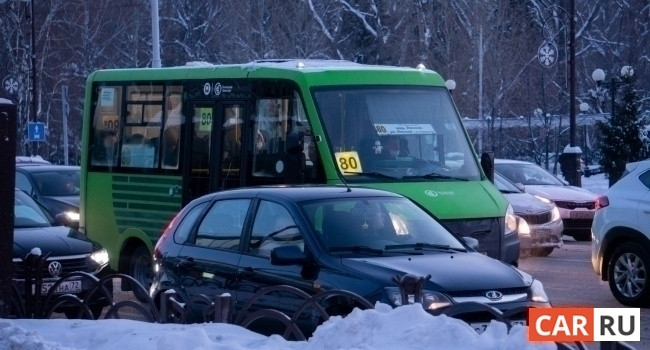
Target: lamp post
[(598, 76)]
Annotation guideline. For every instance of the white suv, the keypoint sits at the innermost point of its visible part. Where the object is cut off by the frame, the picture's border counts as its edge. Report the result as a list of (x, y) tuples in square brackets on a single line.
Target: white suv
[(620, 249)]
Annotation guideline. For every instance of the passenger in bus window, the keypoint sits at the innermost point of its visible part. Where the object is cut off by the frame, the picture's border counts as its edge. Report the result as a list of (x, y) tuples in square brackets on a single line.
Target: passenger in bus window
[(232, 137), (105, 152), (392, 147)]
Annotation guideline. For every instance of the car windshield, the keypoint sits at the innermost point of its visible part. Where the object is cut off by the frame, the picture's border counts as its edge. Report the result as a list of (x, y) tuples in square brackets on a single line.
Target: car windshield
[(504, 185), (527, 174), (58, 182), (374, 225), (27, 213), (396, 134)]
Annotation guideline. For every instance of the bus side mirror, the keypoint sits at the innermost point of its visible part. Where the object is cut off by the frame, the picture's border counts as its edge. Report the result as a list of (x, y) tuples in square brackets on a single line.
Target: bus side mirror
[(487, 163), (294, 169)]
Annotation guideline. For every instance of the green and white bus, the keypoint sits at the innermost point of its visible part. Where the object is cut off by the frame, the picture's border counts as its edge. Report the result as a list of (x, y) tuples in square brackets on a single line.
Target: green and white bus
[(156, 138)]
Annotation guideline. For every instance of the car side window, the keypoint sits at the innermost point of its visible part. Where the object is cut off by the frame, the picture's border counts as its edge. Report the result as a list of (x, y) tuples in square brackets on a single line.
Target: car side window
[(22, 182), (185, 227), (645, 179), (222, 226), (273, 227)]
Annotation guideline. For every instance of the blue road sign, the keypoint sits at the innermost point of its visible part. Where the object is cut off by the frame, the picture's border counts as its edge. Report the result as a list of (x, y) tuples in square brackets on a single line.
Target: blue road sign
[(36, 132)]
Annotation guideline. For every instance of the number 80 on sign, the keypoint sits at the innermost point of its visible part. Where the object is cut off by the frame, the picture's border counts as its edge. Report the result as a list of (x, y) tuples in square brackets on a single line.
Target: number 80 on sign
[(348, 162)]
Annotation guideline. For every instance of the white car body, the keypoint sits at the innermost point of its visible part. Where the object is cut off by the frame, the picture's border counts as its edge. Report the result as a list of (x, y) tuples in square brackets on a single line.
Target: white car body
[(541, 230), (620, 249), (576, 205)]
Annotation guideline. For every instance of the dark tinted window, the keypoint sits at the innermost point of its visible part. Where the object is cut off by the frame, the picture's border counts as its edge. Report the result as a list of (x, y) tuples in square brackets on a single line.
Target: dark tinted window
[(273, 227), (222, 225), (185, 227), (645, 179)]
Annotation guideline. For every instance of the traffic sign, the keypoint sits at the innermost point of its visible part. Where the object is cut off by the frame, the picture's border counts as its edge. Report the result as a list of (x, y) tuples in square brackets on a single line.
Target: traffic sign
[(36, 132)]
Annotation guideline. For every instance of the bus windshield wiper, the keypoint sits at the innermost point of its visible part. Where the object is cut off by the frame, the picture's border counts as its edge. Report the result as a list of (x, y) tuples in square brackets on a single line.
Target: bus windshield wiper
[(357, 249), (435, 176), (422, 246), (373, 174)]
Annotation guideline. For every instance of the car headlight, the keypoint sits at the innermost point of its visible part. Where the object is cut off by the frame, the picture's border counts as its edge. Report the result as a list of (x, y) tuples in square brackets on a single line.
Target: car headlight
[(511, 221), (430, 300), (100, 257), (523, 227), (555, 214), (537, 292), (72, 216)]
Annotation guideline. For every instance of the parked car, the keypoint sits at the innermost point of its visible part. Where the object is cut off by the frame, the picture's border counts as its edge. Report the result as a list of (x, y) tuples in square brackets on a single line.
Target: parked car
[(328, 238), (55, 187), (576, 205), (540, 226), (620, 250), (69, 251)]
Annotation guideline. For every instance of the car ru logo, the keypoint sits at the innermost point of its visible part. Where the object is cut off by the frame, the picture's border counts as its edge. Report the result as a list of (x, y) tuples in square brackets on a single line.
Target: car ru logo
[(54, 268)]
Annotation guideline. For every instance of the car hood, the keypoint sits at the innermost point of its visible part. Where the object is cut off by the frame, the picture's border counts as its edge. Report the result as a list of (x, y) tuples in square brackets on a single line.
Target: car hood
[(449, 271), (57, 241), (525, 203), (562, 193)]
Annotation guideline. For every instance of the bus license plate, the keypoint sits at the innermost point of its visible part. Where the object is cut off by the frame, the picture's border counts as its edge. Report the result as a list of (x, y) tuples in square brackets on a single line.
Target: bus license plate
[(582, 214), (63, 288), (480, 327)]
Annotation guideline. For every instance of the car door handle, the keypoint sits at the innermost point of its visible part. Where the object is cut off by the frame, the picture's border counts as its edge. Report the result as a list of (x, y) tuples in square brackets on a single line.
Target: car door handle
[(186, 263), (647, 211)]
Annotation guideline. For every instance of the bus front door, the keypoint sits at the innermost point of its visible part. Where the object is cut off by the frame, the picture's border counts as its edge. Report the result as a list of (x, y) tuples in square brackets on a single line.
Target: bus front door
[(215, 152)]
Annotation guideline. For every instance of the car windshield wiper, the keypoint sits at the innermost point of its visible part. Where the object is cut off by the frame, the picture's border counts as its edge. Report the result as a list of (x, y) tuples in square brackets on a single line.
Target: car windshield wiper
[(435, 176), (357, 249), (373, 174), (422, 246)]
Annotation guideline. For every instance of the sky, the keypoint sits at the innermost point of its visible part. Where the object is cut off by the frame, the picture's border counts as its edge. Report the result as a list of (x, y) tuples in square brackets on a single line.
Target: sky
[(381, 328)]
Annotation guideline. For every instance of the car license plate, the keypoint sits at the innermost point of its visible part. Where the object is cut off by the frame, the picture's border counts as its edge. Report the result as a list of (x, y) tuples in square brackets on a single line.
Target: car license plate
[(582, 214), (64, 287), (480, 327), (540, 233)]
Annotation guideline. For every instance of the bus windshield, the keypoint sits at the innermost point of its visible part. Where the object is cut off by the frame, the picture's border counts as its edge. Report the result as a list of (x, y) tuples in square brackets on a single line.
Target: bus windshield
[(403, 133)]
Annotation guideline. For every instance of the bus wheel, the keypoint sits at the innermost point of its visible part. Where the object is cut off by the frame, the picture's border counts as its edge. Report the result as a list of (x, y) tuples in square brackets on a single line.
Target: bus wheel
[(140, 270)]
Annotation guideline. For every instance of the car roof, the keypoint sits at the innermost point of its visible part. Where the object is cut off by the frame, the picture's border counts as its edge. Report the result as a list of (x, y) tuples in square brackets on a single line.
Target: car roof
[(301, 193), (22, 160), (510, 161), (34, 168)]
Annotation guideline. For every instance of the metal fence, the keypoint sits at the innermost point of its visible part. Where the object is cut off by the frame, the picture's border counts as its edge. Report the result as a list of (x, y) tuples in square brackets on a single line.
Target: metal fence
[(216, 308)]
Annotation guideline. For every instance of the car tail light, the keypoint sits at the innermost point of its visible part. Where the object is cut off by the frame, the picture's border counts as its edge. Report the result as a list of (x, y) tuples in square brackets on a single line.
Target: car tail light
[(602, 202)]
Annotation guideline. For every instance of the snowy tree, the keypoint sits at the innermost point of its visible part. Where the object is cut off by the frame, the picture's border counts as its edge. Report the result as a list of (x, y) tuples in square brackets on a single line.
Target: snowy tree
[(621, 140)]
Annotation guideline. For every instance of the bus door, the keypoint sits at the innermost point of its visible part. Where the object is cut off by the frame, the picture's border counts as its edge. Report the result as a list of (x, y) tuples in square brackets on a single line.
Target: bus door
[(215, 152)]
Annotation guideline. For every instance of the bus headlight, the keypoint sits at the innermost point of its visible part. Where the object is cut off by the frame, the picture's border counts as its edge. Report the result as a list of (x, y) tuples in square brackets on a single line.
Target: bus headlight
[(511, 221), (430, 300)]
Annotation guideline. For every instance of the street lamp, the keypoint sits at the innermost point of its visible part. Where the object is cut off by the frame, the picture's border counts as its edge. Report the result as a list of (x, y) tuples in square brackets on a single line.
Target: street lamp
[(598, 76)]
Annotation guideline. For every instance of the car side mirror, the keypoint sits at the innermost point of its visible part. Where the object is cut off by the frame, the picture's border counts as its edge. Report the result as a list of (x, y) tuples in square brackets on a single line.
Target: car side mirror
[(487, 163), (288, 255), (471, 242)]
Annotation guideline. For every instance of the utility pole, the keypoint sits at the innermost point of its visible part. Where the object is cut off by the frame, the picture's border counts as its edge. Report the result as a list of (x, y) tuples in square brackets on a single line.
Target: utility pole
[(32, 75), (574, 152), (7, 180)]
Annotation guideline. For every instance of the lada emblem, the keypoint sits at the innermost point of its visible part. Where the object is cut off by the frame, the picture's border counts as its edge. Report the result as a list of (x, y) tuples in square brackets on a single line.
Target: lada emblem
[(54, 268), (494, 295)]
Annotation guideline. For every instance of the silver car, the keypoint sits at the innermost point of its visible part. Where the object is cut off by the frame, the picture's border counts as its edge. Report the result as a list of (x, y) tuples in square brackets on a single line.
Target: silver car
[(540, 225)]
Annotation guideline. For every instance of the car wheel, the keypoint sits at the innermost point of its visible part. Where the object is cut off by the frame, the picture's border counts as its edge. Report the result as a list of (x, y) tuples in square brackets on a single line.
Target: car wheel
[(546, 251), (140, 269), (628, 275)]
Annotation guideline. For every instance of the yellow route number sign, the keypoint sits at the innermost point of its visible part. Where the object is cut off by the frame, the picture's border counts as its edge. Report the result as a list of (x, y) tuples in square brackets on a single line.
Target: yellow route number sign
[(348, 162)]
